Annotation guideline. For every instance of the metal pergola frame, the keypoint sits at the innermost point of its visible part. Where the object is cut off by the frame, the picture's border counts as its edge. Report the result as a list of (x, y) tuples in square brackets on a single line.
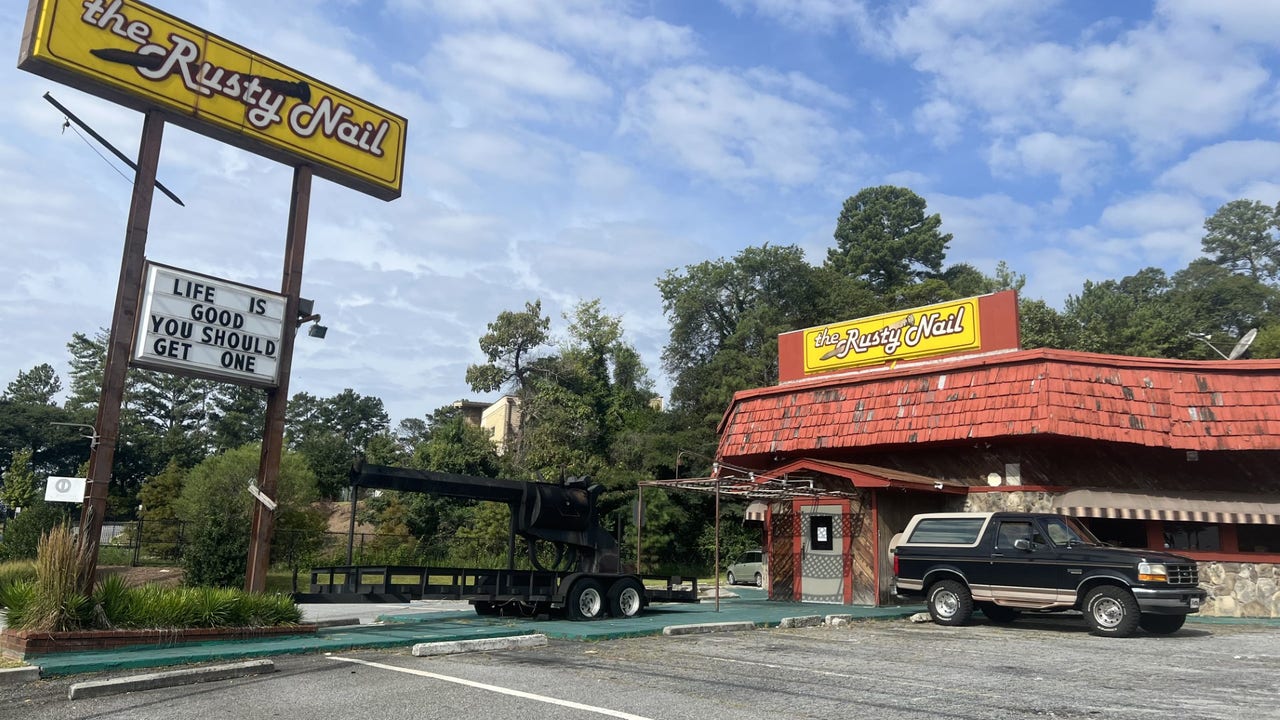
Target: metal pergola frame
[(749, 486)]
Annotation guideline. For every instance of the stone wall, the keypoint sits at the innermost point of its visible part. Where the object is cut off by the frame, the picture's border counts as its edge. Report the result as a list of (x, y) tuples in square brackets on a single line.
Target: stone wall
[(1236, 589), (1241, 589), (1008, 502)]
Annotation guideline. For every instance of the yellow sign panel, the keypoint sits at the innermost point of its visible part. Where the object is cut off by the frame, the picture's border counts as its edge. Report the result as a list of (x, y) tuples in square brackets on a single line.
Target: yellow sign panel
[(920, 332), (134, 54)]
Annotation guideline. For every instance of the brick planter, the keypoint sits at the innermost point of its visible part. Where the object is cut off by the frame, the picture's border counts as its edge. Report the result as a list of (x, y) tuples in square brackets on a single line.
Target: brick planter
[(18, 644)]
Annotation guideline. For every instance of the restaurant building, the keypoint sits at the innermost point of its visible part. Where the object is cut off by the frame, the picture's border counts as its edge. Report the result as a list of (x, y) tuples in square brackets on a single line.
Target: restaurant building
[(937, 409)]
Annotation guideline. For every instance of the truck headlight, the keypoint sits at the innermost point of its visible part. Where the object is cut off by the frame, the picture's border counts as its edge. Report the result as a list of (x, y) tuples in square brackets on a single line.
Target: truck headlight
[(1152, 572)]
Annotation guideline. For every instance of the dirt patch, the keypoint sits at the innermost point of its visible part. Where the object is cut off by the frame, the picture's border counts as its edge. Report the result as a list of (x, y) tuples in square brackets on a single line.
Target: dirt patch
[(340, 518), (164, 576)]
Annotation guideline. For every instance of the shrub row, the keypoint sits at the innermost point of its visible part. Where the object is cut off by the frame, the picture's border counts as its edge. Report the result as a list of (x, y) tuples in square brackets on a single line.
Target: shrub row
[(116, 605)]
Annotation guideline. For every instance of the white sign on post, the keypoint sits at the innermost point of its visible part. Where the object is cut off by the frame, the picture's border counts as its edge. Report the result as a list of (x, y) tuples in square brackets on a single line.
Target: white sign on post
[(192, 324), (64, 489)]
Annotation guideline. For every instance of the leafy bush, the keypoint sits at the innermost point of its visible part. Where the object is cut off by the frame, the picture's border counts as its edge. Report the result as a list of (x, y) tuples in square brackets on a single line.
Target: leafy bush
[(217, 553), (16, 571), (22, 534), (156, 607), (17, 598), (116, 600)]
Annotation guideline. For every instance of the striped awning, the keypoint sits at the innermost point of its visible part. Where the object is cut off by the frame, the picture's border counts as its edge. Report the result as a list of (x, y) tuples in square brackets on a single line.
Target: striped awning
[(756, 511), (1230, 508)]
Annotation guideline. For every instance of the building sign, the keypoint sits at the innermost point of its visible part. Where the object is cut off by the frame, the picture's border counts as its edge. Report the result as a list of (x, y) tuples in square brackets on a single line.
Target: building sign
[(138, 56), (196, 325), (945, 328)]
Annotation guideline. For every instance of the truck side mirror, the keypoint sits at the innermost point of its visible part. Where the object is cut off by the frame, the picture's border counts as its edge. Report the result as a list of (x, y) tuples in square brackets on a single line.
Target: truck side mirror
[(1022, 544)]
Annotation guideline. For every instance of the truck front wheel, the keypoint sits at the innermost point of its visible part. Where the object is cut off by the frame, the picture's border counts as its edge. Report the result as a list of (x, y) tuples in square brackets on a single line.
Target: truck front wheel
[(1111, 611), (1161, 624), (950, 603)]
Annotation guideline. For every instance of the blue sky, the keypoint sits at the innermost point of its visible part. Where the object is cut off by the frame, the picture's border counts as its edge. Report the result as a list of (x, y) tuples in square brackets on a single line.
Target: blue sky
[(577, 149)]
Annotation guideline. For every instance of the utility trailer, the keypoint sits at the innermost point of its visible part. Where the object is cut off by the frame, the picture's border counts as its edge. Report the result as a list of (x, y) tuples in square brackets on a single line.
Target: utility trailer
[(579, 574)]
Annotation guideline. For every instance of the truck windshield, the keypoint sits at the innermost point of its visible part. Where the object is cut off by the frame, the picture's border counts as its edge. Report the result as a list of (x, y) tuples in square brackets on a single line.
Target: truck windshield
[(1069, 531)]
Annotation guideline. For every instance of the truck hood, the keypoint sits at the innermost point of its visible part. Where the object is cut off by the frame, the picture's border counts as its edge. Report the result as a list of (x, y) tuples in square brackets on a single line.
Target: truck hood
[(1133, 554)]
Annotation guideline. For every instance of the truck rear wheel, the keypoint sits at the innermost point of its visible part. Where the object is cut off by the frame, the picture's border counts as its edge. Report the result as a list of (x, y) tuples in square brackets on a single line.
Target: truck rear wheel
[(1161, 624), (1111, 611), (950, 603), (626, 598), (586, 600)]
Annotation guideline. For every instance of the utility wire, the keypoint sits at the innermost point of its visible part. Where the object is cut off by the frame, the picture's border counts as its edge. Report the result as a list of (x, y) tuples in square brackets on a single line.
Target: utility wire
[(67, 124)]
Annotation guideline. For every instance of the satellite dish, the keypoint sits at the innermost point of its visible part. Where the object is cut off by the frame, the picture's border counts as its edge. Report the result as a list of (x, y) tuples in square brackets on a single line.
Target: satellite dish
[(1243, 345)]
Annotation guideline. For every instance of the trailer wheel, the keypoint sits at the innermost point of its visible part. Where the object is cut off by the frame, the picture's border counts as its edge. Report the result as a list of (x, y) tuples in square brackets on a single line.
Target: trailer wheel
[(586, 600), (484, 607), (626, 598)]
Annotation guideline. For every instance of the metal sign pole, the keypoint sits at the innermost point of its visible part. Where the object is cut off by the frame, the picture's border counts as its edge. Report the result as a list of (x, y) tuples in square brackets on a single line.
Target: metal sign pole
[(119, 346), (255, 579)]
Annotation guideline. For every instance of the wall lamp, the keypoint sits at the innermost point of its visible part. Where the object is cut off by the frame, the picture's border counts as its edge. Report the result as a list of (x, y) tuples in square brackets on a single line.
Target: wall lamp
[(306, 315)]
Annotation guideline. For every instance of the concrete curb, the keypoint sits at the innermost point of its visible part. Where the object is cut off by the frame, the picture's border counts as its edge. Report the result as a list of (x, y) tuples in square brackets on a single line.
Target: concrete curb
[(702, 628), (336, 622), (802, 621), (13, 676), (451, 647), (152, 681)]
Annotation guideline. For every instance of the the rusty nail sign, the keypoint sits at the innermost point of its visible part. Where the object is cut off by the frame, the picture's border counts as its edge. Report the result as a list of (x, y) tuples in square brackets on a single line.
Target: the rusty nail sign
[(138, 56), (920, 332)]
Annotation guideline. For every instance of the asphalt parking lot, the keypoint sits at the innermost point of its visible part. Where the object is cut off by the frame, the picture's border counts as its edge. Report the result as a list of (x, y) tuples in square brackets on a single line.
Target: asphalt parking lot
[(1049, 667)]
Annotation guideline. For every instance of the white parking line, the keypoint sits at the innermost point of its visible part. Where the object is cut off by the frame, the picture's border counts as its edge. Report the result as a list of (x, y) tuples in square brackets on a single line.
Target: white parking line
[(497, 689)]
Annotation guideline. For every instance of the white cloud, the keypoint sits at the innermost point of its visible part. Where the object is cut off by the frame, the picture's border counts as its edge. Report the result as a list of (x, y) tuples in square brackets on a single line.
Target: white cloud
[(1152, 212), (601, 28), (503, 75), (983, 227), (1222, 171), (941, 119), (718, 124), (1164, 82), (810, 15), (1077, 162)]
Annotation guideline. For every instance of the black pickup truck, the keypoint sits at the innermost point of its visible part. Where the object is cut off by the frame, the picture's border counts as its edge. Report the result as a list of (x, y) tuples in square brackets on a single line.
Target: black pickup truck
[(1005, 563)]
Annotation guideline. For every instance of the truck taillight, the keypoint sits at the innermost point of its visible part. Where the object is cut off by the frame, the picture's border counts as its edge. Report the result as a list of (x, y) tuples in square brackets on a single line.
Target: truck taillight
[(895, 564)]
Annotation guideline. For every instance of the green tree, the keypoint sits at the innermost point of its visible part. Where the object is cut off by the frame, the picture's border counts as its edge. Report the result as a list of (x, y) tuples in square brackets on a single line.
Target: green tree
[(237, 415), (331, 432), (216, 506), (159, 497), (1132, 316), (884, 238), (88, 361), (511, 342), (1221, 304), (1240, 237), (37, 386), (299, 535), (172, 410), (725, 317), (19, 489)]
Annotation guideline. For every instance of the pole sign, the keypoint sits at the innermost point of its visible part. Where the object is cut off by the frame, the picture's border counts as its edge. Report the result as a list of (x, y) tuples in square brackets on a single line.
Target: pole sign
[(192, 324), (133, 54)]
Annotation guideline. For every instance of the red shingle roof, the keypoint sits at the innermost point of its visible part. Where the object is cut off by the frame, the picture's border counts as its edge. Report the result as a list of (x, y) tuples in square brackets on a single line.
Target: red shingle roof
[(1180, 404)]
